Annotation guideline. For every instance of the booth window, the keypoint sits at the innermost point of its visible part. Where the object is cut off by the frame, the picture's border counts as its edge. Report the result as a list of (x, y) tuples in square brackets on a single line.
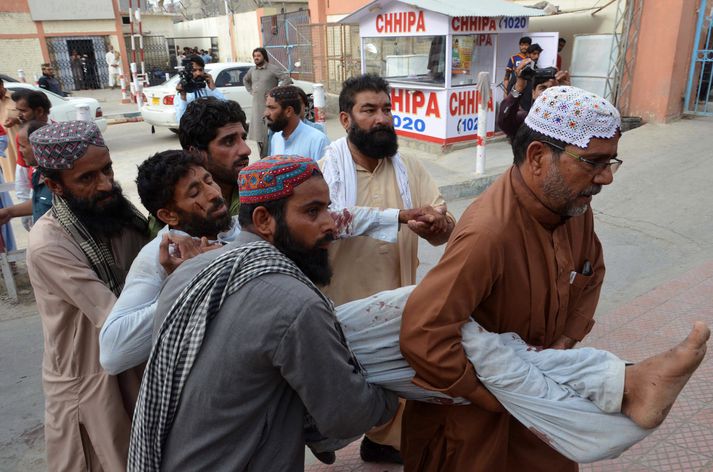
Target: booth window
[(470, 55), (420, 59)]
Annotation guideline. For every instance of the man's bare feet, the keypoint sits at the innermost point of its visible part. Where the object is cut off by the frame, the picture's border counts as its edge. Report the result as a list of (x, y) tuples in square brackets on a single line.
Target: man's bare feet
[(651, 386)]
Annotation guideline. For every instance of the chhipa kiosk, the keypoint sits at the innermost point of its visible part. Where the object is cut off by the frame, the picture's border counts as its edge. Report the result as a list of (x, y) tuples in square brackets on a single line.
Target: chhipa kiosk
[(431, 53)]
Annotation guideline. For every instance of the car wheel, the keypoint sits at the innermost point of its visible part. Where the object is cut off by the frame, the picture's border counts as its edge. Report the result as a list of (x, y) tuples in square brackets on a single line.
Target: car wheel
[(173, 130)]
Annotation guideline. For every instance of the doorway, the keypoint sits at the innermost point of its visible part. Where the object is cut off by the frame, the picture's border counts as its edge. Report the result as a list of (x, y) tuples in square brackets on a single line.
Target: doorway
[(83, 63)]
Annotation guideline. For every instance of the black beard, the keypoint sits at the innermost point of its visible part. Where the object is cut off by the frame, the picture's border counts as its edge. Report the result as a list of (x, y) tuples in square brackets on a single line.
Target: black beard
[(313, 262), (279, 124), (200, 226), (107, 219), (378, 143)]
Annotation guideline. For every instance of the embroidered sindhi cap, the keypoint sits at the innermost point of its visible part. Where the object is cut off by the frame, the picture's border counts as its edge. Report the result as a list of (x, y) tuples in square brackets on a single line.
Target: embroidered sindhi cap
[(274, 177), (573, 115), (58, 145)]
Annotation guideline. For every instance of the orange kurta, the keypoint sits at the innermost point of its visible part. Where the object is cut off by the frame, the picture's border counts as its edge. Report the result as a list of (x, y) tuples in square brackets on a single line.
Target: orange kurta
[(87, 411), (508, 264)]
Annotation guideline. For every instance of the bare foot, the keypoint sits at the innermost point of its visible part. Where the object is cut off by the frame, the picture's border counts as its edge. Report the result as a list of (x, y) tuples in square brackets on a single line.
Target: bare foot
[(651, 386)]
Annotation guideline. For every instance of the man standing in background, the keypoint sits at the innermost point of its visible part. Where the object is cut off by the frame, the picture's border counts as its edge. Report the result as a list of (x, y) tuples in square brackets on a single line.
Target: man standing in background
[(258, 81), (112, 60)]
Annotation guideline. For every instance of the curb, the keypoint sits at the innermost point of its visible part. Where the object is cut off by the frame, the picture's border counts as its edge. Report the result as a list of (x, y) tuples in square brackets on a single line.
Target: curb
[(470, 188), (118, 118)]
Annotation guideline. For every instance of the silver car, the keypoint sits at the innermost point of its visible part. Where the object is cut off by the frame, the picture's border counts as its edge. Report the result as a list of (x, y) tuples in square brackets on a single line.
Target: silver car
[(64, 108)]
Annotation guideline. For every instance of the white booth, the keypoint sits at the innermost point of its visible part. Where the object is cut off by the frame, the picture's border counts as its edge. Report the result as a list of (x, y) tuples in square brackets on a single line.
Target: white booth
[(431, 53)]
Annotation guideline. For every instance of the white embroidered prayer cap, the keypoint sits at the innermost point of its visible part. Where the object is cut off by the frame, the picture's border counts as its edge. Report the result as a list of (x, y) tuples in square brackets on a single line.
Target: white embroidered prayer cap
[(573, 116)]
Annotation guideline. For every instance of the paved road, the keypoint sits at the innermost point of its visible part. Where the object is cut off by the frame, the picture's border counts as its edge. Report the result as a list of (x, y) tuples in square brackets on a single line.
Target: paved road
[(655, 223)]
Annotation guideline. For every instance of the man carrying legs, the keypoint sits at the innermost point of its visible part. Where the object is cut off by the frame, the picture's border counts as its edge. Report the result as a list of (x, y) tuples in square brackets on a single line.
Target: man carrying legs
[(524, 258)]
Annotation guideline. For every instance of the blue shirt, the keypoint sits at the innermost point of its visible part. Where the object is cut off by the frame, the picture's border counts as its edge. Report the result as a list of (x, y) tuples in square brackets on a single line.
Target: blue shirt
[(304, 141), (180, 105)]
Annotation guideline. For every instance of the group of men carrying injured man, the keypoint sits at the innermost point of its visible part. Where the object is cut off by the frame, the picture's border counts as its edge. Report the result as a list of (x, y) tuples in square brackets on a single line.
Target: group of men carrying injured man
[(226, 319)]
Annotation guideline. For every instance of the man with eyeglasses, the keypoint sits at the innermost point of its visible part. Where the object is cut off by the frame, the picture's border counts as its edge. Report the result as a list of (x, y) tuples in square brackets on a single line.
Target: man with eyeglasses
[(523, 258)]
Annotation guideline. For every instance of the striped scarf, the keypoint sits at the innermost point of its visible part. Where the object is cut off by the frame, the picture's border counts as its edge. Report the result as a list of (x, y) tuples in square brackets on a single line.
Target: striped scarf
[(98, 252), (181, 336)]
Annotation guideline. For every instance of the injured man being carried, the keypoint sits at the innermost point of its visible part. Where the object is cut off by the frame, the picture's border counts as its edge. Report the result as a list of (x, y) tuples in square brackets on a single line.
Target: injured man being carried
[(586, 403)]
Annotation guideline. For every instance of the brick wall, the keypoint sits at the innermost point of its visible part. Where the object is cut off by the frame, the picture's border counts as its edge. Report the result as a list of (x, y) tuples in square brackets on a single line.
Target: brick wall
[(20, 54), (17, 23), (78, 26)]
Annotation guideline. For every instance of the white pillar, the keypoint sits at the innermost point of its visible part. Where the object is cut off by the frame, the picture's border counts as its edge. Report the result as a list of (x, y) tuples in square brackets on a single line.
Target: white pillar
[(320, 103), (484, 90)]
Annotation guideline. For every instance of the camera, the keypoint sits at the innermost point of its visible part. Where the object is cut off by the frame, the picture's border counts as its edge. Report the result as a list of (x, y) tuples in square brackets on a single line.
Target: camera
[(189, 83), (531, 71)]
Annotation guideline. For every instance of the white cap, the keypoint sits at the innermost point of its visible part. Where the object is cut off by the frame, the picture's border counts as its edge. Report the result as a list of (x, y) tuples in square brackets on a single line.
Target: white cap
[(573, 116)]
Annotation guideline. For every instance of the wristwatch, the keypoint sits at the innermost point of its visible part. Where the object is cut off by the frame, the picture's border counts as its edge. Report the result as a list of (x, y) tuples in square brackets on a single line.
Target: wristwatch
[(514, 92)]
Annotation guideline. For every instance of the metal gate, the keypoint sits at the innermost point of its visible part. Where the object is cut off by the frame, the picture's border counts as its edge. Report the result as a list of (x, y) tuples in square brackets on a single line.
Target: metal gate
[(79, 61), (287, 39), (699, 99), (336, 54), (157, 60)]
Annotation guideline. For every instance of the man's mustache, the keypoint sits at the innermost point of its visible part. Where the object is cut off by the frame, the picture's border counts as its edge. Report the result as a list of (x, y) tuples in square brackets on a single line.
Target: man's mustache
[(593, 190)]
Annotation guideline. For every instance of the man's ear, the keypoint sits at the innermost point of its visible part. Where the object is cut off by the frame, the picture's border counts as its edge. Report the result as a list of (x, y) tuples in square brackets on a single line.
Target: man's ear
[(264, 224), (345, 120), (168, 216), (54, 186), (536, 157)]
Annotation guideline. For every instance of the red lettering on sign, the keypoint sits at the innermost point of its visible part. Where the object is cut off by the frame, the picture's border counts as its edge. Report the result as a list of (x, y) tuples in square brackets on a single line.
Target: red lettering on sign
[(473, 23), (432, 107), (466, 102), (414, 102), (401, 22), (483, 40)]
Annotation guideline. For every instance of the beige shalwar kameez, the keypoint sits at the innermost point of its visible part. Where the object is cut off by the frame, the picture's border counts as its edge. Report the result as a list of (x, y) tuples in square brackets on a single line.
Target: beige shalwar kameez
[(7, 164), (258, 81), (363, 266), (87, 411)]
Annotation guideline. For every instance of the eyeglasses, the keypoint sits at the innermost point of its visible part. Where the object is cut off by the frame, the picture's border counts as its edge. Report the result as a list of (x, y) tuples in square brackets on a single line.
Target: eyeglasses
[(597, 166)]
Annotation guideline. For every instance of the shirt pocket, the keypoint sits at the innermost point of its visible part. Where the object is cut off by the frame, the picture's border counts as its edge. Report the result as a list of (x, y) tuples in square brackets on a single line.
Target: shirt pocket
[(577, 287)]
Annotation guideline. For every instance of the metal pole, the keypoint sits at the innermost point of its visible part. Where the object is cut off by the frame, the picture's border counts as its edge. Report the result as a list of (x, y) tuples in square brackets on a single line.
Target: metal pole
[(484, 92), (694, 54), (21, 75), (141, 36), (230, 29)]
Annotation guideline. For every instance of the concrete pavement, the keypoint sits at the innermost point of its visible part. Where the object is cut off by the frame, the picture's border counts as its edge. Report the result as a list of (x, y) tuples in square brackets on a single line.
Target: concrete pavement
[(656, 226), (649, 324)]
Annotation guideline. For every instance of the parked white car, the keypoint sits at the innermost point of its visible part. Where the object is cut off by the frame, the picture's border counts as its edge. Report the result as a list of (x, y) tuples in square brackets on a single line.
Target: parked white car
[(158, 107), (65, 108)]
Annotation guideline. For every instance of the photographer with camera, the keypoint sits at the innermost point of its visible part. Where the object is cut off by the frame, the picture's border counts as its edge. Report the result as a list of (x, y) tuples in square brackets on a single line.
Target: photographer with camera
[(194, 83), (532, 81)]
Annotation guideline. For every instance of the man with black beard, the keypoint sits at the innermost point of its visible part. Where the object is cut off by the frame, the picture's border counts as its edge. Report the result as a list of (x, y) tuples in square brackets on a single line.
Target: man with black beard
[(364, 169), (245, 343), (283, 115), (77, 258)]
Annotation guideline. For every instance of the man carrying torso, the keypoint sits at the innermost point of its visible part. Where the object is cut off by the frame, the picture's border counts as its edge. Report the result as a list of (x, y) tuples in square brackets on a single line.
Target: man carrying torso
[(260, 318)]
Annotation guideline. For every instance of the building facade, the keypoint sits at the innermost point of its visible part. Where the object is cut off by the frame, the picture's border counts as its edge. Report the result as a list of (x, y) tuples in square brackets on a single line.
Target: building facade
[(74, 35)]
